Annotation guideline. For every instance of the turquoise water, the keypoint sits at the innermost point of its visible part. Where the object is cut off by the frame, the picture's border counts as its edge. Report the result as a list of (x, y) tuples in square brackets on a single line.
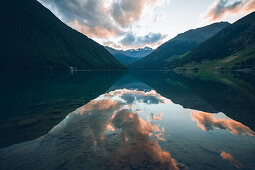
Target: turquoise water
[(136, 120)]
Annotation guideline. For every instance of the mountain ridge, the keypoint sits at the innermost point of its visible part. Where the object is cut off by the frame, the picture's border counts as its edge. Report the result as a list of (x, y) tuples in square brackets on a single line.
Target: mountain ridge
[(178, 46), (34, 38), (127, 57), (231, 48)]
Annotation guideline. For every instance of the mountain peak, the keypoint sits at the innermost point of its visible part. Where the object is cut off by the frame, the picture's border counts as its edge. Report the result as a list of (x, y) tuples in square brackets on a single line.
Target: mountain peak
[(178, 47)]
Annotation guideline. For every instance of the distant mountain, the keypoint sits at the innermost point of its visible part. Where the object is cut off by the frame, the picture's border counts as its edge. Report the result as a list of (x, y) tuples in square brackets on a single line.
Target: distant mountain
[(139, 53), (178, 47), (128, 57), (33, 38), (231, 48)]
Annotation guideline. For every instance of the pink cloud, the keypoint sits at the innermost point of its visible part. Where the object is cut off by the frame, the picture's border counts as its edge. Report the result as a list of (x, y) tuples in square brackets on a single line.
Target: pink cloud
[(221, 7), (207, 121), (231, 159), (137, 145), (156, 117)]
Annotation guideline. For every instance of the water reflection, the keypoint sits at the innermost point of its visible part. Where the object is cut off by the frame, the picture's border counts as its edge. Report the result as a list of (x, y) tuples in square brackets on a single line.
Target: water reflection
[(130, 129), (230, 93), (103, 134), (33, 102), (231, 159), (208, 121)]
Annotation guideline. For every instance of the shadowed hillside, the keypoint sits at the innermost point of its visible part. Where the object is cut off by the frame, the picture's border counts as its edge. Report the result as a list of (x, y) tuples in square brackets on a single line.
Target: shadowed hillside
[(231, 48), (33, 38), (177, 47)]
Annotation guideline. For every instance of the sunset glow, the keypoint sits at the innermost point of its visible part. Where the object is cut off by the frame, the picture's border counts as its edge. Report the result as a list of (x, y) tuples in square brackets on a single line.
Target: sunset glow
[(125, 24)]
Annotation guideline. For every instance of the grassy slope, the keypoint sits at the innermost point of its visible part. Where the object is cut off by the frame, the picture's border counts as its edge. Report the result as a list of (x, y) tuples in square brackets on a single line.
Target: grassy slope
[(231, 48), (177, 57), (177, 47), (239, 60)]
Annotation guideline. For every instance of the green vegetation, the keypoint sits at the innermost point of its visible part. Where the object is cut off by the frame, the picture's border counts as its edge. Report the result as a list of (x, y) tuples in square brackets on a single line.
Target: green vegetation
[(231, 48), (240, 60), (33, 38), (177, 57), (177, 47)]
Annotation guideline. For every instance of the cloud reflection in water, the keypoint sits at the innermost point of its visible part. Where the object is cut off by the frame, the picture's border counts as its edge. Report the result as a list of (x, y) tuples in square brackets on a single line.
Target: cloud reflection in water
[(208, 121), (103, 134), (123, 129), (231, 159)]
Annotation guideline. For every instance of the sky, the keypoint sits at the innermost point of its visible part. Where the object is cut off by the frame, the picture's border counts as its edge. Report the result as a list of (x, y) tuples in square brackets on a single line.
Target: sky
[(132, 24)]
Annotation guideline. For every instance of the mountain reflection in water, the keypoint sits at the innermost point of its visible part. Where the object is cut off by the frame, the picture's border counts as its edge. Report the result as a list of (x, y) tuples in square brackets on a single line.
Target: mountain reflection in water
[(133, 129)]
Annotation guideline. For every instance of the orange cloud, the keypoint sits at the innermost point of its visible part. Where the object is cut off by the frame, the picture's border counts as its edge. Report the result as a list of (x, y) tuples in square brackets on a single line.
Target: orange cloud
[(207, 121), (98, 106), (158, 135), (96, 31), (156, 117), (109, 127), (220, 8), (231, 159), (102, 131), (140, 148)]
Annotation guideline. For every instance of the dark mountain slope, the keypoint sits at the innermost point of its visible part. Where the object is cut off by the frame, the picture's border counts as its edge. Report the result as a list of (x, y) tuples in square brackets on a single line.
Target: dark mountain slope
[(177, 47), (233, 47), (33, 38)]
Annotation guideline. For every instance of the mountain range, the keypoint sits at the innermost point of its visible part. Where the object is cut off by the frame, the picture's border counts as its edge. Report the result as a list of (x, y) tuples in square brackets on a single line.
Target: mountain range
[(177, 47), (127, 57), (32, 37), (216, 46), (231, 48)]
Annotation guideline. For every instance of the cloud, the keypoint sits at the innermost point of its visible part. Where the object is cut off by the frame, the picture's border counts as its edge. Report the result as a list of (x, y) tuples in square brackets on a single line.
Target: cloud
[(90, 17), (114, 134), (133, 96), (207, 121), (231, 159), (106, 19), (96, 31), (98, 18), (221, 7), (130, 40), (156, 117), (142, 152), (98, 105), (126, 12)]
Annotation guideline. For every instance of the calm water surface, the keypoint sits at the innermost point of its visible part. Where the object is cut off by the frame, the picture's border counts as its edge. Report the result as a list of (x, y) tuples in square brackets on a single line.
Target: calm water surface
[(136, 120)]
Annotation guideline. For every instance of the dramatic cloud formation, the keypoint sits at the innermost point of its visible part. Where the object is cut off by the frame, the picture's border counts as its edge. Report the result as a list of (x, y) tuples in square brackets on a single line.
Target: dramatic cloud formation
[(139, 147), (88, 16), (207, 121), (231, 159), (95, 30), (131, 40), (126, 12), (222, 7), (98, 105), (105, 18), (99, 135)]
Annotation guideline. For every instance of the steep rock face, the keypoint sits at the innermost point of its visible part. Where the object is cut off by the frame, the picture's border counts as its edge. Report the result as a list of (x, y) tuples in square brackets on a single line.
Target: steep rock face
[(33, 38), (178, 47)]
